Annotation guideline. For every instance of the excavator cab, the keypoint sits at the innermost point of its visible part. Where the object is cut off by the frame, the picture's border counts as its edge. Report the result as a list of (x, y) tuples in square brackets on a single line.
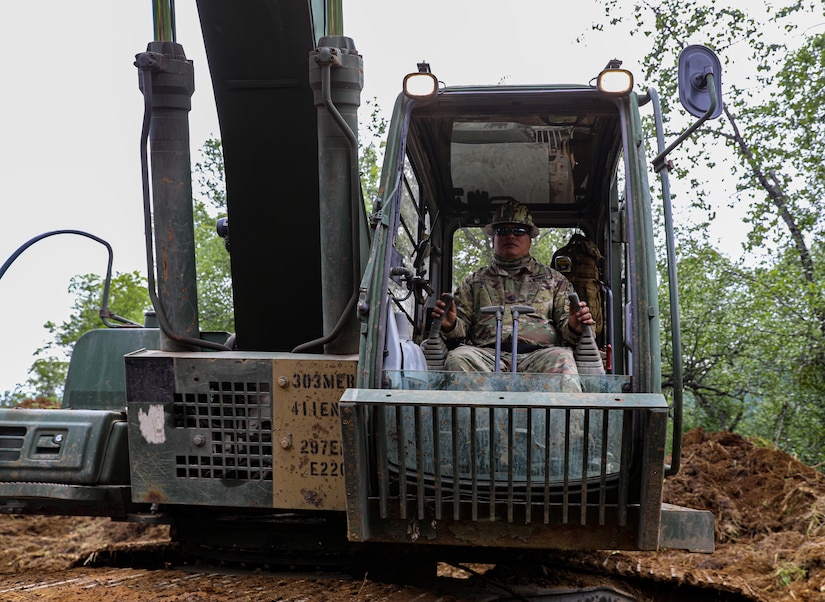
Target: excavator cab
[(511, 459)]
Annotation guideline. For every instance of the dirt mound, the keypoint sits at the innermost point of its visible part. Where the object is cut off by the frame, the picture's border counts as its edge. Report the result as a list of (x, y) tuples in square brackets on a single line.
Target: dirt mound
[(46, 543), (769, 511), (41, 403), (752, 490)]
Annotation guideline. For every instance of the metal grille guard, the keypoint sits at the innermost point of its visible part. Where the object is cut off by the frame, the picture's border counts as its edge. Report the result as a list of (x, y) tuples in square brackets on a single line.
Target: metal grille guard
[(538, 469)]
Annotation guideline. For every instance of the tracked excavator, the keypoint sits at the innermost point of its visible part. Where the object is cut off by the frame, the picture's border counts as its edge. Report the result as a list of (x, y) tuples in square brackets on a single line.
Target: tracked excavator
[(326, 425)]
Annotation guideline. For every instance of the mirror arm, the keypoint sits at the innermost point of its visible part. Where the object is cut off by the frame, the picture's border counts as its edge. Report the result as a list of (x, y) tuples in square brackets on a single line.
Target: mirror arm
[(659, 160)]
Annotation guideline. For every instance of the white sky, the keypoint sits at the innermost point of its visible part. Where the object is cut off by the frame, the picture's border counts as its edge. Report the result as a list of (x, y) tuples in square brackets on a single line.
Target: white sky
[(71, 116)]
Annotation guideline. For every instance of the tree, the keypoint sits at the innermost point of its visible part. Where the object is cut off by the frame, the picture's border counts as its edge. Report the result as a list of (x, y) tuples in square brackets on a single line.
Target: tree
[(127, 297), (371, 150), (215, 306), (722, 332), (769, 141)]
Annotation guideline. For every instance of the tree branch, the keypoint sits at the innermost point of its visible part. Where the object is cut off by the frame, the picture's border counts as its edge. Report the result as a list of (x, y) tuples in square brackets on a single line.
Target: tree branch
[(776, 193)]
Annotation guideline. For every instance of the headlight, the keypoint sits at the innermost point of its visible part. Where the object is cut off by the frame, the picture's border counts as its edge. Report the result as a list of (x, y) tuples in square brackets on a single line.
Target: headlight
[(422, 83), (616, 82)]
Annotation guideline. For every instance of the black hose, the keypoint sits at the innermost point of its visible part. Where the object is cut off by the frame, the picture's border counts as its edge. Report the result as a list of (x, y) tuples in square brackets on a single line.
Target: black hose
[(355, 193), (147, 223), (104, 304)]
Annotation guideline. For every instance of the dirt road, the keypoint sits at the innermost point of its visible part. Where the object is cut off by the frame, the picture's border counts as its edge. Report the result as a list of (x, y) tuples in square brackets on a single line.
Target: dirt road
[(770, 530)]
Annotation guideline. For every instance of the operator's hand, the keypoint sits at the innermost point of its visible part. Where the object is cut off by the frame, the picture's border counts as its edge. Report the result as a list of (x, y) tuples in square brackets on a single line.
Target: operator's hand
[(449, 313), (577, 318)]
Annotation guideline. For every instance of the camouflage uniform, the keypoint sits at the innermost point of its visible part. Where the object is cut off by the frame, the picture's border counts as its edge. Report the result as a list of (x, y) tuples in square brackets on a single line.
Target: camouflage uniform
[(523, 281)]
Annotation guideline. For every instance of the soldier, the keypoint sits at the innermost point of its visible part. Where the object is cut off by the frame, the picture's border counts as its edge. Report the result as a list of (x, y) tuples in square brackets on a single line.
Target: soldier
[(514, 277)]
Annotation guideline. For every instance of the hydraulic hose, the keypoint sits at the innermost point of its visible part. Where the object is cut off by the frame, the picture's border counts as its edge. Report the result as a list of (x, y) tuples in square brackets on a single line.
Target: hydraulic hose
[(145, 64), (355, 195), (104, 312)]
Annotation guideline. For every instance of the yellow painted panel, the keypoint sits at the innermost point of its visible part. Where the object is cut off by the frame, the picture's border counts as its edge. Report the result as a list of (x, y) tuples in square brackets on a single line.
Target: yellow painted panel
[(308, 465)]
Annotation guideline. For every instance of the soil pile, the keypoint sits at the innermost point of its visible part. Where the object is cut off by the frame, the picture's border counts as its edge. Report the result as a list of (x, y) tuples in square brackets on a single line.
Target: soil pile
[(752, 491), (769, 511), (49, 543)]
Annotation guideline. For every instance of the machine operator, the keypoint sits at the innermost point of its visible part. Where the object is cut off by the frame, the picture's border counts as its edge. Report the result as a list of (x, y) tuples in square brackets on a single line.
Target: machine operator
[(514, 278)]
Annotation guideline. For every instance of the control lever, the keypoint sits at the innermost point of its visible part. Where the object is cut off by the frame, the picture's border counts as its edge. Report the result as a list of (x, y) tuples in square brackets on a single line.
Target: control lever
[(515, 310), (498, 310), (435, 327), (588, 357), (434, 348)]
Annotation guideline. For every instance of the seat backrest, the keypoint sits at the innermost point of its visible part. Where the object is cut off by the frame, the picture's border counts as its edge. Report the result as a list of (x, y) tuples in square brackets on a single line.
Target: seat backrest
[(402, 353)]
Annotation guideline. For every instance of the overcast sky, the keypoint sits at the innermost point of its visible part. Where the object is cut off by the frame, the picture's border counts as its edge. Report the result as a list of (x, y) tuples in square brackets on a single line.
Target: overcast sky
[(71, 116)]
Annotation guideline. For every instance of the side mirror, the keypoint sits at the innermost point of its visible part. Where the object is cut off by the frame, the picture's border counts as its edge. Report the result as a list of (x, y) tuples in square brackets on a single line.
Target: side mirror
[(695, 64)]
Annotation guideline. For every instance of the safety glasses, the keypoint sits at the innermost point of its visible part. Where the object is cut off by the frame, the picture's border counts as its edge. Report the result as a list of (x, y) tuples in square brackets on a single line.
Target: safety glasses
[(507, 230)]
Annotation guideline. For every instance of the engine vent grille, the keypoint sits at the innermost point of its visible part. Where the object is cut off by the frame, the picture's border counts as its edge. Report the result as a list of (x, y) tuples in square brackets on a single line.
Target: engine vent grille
[(11, 442), (237, 444)]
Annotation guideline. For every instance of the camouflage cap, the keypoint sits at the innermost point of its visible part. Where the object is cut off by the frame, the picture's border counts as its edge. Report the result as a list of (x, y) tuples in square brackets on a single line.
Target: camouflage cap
[(512, 212)]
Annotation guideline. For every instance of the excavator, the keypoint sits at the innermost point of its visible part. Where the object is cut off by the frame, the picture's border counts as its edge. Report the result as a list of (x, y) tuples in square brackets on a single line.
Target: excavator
[(326, 424)]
